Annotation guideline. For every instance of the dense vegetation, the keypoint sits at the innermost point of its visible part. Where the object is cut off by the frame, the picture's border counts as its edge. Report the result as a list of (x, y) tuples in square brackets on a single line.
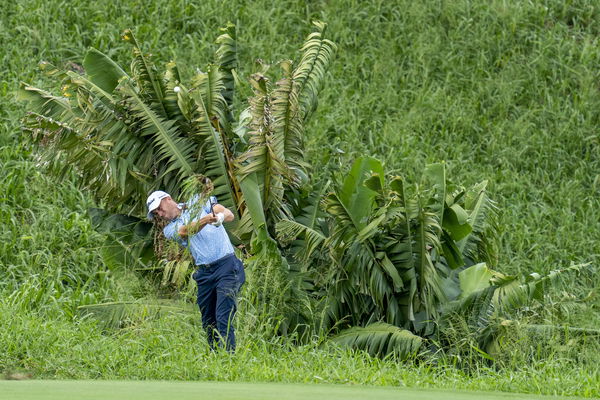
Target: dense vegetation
[(502, 92)]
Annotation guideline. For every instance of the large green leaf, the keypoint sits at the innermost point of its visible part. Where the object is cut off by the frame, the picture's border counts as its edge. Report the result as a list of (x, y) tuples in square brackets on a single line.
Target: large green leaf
[(450, 251), (405, 250), (252, 199), (357, 198), (474, 278), (102, 71), (479, 243), (455, 222), (425, 233)]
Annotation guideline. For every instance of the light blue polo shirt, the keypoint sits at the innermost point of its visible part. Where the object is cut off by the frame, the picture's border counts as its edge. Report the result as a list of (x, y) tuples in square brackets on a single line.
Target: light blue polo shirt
[(206, 246)]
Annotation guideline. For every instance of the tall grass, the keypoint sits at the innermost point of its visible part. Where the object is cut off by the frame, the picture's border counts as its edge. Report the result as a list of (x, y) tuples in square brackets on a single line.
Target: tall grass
[(501, 90)]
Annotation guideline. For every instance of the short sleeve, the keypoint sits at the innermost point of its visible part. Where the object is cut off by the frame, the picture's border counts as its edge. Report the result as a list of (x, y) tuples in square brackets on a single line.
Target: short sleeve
[(207, 206)]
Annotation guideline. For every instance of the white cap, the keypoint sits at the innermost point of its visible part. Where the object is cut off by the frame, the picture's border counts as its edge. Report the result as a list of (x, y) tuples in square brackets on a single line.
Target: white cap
[(154, 201)]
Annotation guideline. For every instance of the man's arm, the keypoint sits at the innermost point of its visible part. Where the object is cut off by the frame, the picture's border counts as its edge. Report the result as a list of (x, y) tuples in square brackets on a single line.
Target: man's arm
[(196, 226)]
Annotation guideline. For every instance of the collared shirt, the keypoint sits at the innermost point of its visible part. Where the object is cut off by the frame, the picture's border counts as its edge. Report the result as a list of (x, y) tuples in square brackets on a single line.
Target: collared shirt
[(206, 246)]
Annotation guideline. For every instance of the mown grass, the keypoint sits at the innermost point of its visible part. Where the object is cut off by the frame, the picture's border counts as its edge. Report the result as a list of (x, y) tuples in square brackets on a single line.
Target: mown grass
[(65, 390), (501, 90), (92, 390), (173, 347)]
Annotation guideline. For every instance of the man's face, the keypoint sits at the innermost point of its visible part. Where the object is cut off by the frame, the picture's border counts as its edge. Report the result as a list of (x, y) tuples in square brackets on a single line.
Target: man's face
[(167, 209)]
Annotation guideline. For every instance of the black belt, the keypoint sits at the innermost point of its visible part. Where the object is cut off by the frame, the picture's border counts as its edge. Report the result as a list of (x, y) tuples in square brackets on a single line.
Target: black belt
[(217, 262)]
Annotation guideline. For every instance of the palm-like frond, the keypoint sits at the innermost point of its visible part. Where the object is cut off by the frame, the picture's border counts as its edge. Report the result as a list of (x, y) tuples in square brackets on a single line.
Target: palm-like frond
[(177, 272), (103, 142), (511, 294), (177, 102), (149, 83), (287, 123), (425, 230), (338, 211), (215, 162), (380, 339), (310, 71), (47, 104), (211, 86), (176, 151), (288, 230), (125, 156), (477, 308), (227, 62), (86, 132), (265, 154), (121, 314), (482, 211)]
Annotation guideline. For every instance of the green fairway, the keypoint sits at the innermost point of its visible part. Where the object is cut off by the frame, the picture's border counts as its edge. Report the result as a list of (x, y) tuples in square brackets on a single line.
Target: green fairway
[(151, 390)]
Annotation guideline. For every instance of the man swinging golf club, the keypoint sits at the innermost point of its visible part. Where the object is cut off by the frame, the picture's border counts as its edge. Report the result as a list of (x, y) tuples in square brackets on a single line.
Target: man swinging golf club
[(219, 274)]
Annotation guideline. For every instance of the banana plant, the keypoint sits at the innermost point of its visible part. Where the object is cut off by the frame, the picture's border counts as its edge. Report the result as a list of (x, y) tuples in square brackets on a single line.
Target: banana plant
[(393, 250), (128, 131)]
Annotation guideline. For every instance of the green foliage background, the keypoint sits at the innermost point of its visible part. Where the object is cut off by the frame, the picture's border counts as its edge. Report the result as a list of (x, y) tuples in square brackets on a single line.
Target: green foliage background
[(501, 90)]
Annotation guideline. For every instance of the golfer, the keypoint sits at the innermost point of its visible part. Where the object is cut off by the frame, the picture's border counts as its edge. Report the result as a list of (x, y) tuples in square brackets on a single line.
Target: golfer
[(219, 274)]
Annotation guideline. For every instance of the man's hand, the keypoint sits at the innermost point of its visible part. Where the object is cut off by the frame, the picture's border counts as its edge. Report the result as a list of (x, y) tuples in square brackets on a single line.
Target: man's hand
[(220, 219), (208, 219)]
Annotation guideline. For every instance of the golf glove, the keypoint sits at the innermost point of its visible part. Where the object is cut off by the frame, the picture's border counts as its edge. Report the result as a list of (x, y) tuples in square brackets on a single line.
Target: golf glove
[(220, 218)]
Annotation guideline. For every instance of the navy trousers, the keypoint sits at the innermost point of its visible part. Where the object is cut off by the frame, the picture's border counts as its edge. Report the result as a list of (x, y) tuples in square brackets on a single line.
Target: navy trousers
[(218, 287)]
